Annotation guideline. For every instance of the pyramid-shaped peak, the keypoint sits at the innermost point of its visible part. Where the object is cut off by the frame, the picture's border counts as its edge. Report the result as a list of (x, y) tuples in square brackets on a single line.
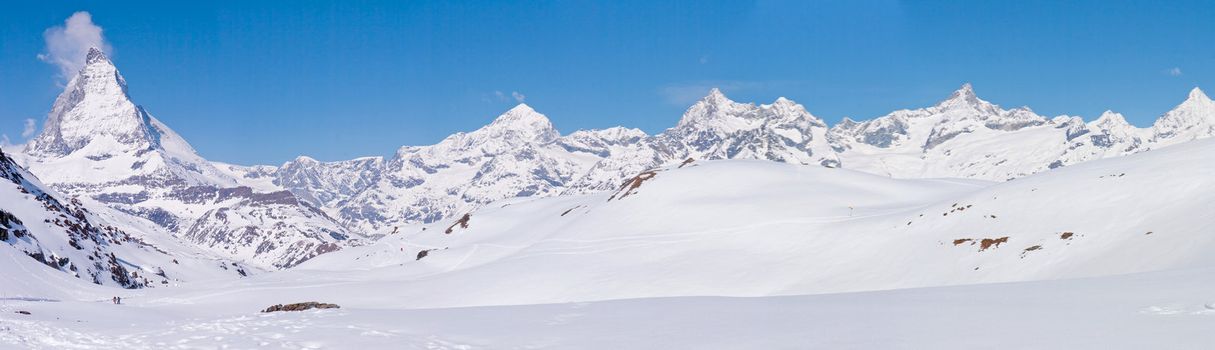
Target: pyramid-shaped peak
[(1109, 117), (520, 121), (715, 96), (965, 97), (1196, 94), (965, 92), (521, 113), (522, 108), (306, 160)]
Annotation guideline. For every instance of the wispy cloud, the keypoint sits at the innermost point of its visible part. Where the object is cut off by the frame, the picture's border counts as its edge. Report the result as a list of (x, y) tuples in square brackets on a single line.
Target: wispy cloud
[(499, 96), (67, 45), (30, 126), (1175, 71)]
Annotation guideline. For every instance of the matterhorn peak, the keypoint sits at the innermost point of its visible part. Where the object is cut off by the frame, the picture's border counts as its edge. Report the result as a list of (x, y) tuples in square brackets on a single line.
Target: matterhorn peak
[(93, 104), (95, 55)]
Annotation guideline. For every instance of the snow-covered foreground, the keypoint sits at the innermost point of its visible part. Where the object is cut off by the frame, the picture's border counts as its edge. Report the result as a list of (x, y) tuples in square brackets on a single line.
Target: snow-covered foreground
[(1174, 310), (1113, 253)]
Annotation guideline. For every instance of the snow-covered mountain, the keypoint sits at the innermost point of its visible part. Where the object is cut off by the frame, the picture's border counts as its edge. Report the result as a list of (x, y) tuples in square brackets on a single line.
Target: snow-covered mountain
[(90, 242), (99, 144), (718, 128), (965, 136), (518, 154), (755, 228), (737, 199), (962, 136)]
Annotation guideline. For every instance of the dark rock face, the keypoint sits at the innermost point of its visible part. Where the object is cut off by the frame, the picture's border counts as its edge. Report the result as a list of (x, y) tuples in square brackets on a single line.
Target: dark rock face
[(301, 306), (86, 238)]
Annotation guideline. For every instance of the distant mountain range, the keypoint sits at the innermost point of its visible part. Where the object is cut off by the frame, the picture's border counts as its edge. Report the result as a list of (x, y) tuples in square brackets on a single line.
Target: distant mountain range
[(99, 145)]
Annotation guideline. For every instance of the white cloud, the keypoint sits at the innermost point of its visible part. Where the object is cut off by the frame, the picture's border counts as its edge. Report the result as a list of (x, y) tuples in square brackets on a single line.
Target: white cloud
[(30, 127), (499, 96), (67, 45), (1175, 71), (4, 142)]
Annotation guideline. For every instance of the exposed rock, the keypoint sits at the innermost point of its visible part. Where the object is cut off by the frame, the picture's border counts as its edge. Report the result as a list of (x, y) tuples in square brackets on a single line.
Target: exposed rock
[(301, 306)]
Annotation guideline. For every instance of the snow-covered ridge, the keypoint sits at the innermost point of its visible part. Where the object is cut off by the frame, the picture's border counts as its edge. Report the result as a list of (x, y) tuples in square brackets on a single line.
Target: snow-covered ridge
[(85, 240), (961, 136)]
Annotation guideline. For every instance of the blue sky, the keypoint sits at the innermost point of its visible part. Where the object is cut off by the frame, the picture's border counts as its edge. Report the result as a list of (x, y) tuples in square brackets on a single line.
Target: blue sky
[(263, 81)]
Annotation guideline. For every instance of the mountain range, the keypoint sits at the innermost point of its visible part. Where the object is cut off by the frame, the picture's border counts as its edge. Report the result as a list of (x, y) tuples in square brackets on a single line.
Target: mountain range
[(97, 144)]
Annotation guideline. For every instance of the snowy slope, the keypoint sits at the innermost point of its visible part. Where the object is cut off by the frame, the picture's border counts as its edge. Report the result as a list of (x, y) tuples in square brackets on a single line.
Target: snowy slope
[(719, 228), (71, 238), (98, 144), (681, 239), (1172, 310)]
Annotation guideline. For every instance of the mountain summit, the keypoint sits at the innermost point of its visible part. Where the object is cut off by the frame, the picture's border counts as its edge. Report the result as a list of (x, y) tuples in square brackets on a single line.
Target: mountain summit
[(93, 106), (98, 144)]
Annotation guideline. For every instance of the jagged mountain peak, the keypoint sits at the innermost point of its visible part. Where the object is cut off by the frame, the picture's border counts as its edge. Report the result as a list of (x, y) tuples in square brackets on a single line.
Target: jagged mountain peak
[(1193, 118), (1111, 116), (522, 115), (1197, 98), (304, 160), (715, 96), (965, 97), (1196, 94), (711, 110), (93, 105), (95, 55), (1111, 120), (521, 121)]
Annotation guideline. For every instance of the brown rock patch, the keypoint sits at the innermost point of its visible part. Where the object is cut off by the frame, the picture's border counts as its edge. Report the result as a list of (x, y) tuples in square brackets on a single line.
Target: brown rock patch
[(301, 306)]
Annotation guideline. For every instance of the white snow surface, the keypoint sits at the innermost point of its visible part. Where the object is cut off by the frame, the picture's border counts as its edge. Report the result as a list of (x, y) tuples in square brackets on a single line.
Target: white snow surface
[(1111, 253)]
